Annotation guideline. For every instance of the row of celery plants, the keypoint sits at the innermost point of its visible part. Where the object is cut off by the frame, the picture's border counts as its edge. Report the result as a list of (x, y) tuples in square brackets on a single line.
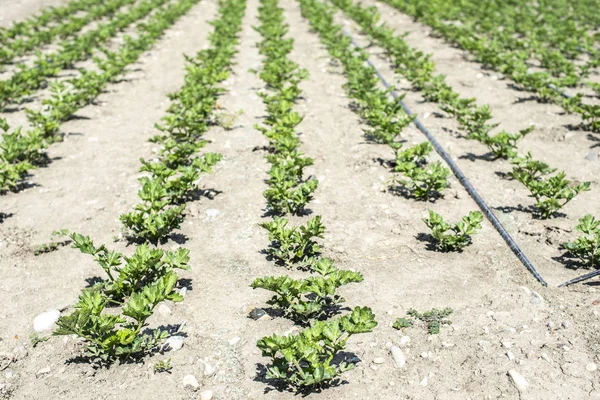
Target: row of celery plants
[(32, 25), (68, 27), (551, 192), (20, 151), (138, 283), (386, 119), (510, 63), (303, 361), (28, 79)]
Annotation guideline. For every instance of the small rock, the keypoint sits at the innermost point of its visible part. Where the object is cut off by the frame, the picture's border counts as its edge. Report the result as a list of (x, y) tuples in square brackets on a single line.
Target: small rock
[(235, 341), (447, 344), (565, 324), (209, 370), (506, 345), (525, 289), (173, 343), (591, 367), (551, 326), (510, 329), (510, 355), (404, 340), (546, 358), (424, 382), (206, 395), (424, 354), (212, 213), (536, 298), (374, 367), (164, 310), (46, 321), (398, 356), (486, 330), (257, 313), (42, 372), (479, 75), (190, 381), (518, 380), (378, 360), (591, 156)]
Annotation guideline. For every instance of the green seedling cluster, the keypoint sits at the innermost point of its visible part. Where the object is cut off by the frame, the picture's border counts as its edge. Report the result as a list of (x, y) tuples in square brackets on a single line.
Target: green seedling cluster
[(111, 317), (54, 243), (423, 179), (289, 192), (68, 26), (22, 151), (551, 192), (433, 319), (453, 238), (304, 361), (177, 168), (586, 248), (506, 37)]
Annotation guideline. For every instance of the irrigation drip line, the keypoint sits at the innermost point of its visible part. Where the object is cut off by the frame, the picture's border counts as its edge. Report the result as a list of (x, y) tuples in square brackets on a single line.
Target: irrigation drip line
[(580, 278), (462, 178)]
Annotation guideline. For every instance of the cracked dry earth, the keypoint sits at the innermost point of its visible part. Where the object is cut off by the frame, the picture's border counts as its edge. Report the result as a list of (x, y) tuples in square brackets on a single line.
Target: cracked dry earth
[(503, 319)]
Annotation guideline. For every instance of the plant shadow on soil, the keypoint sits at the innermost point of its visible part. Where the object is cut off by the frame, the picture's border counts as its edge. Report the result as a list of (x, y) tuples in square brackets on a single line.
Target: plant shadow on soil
[(478, 157), (280, 386), (329, 312), (570, 262), (402, 191), (431, 243), (530, 209), (593, 138), (5, 216)]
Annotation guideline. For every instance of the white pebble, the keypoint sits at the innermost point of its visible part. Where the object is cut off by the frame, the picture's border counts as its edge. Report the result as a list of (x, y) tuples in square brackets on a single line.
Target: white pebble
[(46, 321), (235, 341), (424, 354), (591, 367), (398, 356), (42, 372), (206, 395), (212, 213), (209, 370), (424, 382), (404, 340), (190, 381), (173, 343), (164, 310), (378, 360), (510, 355), (518, 379)]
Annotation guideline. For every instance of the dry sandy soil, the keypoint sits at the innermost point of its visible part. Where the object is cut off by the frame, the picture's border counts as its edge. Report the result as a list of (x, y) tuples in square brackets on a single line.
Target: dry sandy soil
[(503, 319)]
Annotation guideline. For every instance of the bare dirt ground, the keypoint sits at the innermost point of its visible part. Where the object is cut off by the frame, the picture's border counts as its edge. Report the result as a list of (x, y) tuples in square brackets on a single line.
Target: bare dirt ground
[(503, 320)]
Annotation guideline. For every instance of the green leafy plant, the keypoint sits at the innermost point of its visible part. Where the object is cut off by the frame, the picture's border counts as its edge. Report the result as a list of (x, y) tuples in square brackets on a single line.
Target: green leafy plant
[(163, 366), (110, 336), (551, 193), (313, 297), (304, 361), (295, 246), (586, 248), (54, 244), (433, 319), (453, 238), (424, 180), (36, 339)]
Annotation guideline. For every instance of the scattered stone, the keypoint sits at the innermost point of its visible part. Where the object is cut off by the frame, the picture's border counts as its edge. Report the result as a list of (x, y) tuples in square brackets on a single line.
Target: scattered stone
[(209, 370), (212, 213), (507, 345), (518, 379), (479, 75), (546, 358), (536, 298), (206, 395), (374, 367), (490, 313), (235, 341), (565, 324), (591, 367), (183, 291), (164, 310), (404, 340), (510, 329), (591, 156), (525, 289), (257, 313), (486, 330), (190, 382), (424, 382), (398, 356), (447, 344), (551, 326), (378, 360), (42, 372), (424, 354), (173, 343), (46, 321), (510, 355)]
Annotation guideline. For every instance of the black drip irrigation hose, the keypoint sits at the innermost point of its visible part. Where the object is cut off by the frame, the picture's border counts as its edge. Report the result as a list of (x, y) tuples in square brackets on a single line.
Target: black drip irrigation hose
[(580, 278), (462, 179)]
